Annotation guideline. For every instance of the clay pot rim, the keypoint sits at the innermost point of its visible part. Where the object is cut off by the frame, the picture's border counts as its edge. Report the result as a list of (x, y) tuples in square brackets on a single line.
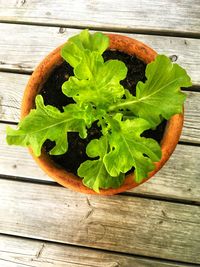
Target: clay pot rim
[(169, 141)]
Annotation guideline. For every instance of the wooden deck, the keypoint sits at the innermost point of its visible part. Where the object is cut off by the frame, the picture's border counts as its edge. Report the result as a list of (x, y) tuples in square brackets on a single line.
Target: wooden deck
[(45, 225)]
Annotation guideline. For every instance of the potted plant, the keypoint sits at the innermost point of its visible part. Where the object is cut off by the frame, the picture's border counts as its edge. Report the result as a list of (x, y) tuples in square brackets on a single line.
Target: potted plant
[(119, 153)]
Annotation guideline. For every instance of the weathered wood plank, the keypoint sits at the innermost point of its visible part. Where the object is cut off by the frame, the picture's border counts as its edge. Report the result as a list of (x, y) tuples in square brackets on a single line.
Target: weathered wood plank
[(22, 47), (17, 162), (120, 223), (24, 252), (12, 87), (179, 179), (11, 91), (139, 15), (191, 129)]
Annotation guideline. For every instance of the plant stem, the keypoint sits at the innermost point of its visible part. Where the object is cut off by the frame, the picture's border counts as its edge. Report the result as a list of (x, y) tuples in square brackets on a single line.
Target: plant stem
[(122, 105)]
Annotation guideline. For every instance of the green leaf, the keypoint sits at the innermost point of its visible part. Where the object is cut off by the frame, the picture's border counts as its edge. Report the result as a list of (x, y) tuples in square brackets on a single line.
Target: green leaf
[(128, 149), (88, 65), (94, 171), (73, 51), (47, 122), (94, 42), (160, 95), (102, 88)]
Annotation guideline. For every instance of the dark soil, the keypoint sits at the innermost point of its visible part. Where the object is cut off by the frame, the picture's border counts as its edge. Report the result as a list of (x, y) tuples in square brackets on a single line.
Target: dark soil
[(53, 95), (51, 91)]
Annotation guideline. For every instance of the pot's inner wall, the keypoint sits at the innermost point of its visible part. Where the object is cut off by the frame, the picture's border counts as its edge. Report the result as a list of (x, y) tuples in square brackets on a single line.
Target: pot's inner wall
[(52, 94)]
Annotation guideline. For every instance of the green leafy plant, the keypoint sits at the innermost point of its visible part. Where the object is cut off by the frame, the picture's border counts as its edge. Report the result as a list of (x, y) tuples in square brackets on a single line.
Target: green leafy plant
[(122, 117)]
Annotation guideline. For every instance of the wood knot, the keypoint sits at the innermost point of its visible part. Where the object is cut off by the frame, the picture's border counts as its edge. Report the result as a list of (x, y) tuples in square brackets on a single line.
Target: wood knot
[(20, 3), (48, 13), (173, 58), (95, 231), (62, 30)]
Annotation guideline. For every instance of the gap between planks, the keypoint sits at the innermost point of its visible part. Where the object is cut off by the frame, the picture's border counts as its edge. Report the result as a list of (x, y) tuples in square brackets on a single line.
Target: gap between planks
[(132, 192), (26, 46), (179, 16), (106, 29), (37, 251), (166, 229), (12, 87), (170, 182)]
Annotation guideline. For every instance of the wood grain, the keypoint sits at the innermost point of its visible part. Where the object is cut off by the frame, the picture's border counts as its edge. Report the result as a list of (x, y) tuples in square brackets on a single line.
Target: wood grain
[(178, 179), (139, 15), (22, 47), (12, 87), (22, 252), (129, 224), (16, 162), (191, 128), (120, 223), (11, 91)]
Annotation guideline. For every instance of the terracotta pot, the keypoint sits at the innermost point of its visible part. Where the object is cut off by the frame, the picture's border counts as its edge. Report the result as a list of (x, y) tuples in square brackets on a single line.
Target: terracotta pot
[(41, 74)]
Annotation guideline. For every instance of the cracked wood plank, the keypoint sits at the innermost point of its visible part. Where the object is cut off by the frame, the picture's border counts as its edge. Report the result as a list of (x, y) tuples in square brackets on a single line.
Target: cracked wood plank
[(120, 223), (178, 179), (25, 46), (24, 252), (139, 15), (12, 87)]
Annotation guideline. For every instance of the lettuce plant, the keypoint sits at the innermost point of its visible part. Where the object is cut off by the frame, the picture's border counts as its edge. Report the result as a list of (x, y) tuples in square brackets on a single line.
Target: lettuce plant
[(122, 117)]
